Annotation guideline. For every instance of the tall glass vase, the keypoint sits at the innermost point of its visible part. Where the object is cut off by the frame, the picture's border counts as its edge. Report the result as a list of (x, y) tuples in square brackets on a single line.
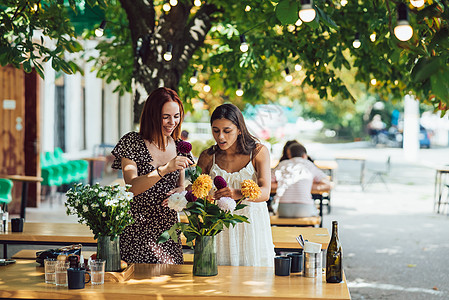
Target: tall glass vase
[(110, 251), (205, 256)]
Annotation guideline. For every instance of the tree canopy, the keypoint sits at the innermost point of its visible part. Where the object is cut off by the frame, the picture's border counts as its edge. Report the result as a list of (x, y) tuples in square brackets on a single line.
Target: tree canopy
[(205, 36)]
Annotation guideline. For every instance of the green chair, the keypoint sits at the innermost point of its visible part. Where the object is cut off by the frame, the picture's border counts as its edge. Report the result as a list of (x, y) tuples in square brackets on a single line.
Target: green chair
[(5, 192), (79, 168)]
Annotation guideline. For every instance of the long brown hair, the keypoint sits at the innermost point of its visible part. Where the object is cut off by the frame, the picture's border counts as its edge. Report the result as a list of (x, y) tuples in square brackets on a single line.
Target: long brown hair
[(151, 117), (246, 142)]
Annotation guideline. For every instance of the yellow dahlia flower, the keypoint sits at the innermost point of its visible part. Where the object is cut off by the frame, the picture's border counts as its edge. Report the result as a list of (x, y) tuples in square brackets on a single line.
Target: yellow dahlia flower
[(202, 186), (250, 189)]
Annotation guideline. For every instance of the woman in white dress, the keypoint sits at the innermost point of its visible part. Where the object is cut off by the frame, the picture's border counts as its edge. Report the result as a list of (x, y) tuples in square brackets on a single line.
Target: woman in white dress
[(238, 156)]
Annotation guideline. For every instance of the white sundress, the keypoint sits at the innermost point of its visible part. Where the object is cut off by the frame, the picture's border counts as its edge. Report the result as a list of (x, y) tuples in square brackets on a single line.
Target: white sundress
[(246, 244)]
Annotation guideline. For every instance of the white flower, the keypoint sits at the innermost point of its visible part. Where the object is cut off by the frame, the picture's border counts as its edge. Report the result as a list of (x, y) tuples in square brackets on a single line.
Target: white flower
[(102, 194), (177, 201), (226, 204), (85, 208), (103, 214)]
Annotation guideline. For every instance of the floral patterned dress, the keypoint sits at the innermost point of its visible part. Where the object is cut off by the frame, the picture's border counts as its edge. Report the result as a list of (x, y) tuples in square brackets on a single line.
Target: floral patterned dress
[(138, 242)]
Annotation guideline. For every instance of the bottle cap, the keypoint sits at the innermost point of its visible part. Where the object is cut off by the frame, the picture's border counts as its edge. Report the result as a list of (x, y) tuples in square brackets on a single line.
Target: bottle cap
[(310, 247)]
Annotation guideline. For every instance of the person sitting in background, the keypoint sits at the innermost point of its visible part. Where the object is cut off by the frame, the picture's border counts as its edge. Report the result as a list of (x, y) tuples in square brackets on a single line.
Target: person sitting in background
[(295, 178)]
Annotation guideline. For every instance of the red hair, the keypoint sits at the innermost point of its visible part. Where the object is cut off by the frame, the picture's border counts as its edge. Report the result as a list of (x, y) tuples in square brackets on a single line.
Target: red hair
[(151, 117)]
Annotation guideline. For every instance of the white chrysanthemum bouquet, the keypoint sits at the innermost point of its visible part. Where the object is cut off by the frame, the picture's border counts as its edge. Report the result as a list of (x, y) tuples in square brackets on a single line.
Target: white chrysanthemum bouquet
[(105, 209)]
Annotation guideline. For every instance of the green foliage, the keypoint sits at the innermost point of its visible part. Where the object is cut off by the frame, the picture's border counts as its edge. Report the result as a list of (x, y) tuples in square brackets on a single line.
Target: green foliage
[(105, 209), (323, 47)]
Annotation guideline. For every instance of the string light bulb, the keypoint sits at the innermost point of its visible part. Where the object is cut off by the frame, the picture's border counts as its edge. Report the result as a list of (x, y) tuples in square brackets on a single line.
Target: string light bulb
[(288, 76), (194, 78), (417, 3), (206, 87), (166, 7), (100, 30), (168, 55), (239, 91), (356, 43), (403, 31), (307, 12), (197, 3), (243, 44)]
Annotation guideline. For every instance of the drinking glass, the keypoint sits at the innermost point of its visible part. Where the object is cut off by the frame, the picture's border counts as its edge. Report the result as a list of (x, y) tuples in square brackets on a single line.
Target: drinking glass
[(49, 265), (61, 273), (97, 271)]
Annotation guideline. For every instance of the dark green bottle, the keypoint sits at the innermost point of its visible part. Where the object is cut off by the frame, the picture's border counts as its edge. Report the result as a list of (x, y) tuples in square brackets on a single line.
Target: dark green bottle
[(334, 270)]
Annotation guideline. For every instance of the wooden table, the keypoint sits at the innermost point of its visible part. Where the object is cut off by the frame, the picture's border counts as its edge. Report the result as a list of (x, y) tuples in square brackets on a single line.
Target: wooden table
[(158, 281), (91, 161), (25, 180), (75, 233), (440, 175), (276, 221)]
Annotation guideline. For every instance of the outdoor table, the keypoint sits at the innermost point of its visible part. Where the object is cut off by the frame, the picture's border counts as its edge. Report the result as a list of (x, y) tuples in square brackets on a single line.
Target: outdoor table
[(24, 179), (75, 233), (441, 174), (91, 161), (25, 279)]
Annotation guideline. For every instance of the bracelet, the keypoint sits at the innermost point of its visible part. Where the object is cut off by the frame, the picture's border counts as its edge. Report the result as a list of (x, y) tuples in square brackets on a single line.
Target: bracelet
[(158, 173)]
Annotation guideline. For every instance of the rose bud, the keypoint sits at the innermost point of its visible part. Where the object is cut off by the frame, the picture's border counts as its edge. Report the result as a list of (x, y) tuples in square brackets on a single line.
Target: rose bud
[(184, 147), (190, 197), (220, 182)]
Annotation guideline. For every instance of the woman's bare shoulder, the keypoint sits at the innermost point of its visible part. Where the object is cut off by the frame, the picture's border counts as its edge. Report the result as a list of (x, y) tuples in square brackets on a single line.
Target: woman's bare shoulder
[(205, 161)]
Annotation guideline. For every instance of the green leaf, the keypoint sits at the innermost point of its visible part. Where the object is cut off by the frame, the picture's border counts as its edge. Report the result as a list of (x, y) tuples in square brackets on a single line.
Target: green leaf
[(425, 68), (287, 11), (325, 18)]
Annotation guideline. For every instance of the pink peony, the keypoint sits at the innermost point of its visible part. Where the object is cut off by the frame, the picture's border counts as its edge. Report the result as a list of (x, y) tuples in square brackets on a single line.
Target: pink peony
[(184, 147), (220, 182)]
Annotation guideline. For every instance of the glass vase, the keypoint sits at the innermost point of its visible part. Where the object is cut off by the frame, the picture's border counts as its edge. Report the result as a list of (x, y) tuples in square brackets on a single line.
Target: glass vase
[(110, 252), (205, 256)]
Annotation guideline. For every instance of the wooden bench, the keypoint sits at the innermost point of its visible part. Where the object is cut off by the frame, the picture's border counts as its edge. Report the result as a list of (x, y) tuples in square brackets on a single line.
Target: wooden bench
[(31, 254), (276, 221)]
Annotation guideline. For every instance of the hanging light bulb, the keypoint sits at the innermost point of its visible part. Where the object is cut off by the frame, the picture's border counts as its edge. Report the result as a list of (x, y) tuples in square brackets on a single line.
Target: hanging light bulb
[(298, 67), (288, 76), (206, 87), (168, 55), (194, 78), (356, 43), (417, 3), (100, 30), (243, 44), (173, 2), (403, 31), (197, 3), (307, 13), (239, 91), (166, 7)]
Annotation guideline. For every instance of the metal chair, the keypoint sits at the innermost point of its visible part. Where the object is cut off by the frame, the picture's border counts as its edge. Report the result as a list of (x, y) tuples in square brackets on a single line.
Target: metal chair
[(379, 175)]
